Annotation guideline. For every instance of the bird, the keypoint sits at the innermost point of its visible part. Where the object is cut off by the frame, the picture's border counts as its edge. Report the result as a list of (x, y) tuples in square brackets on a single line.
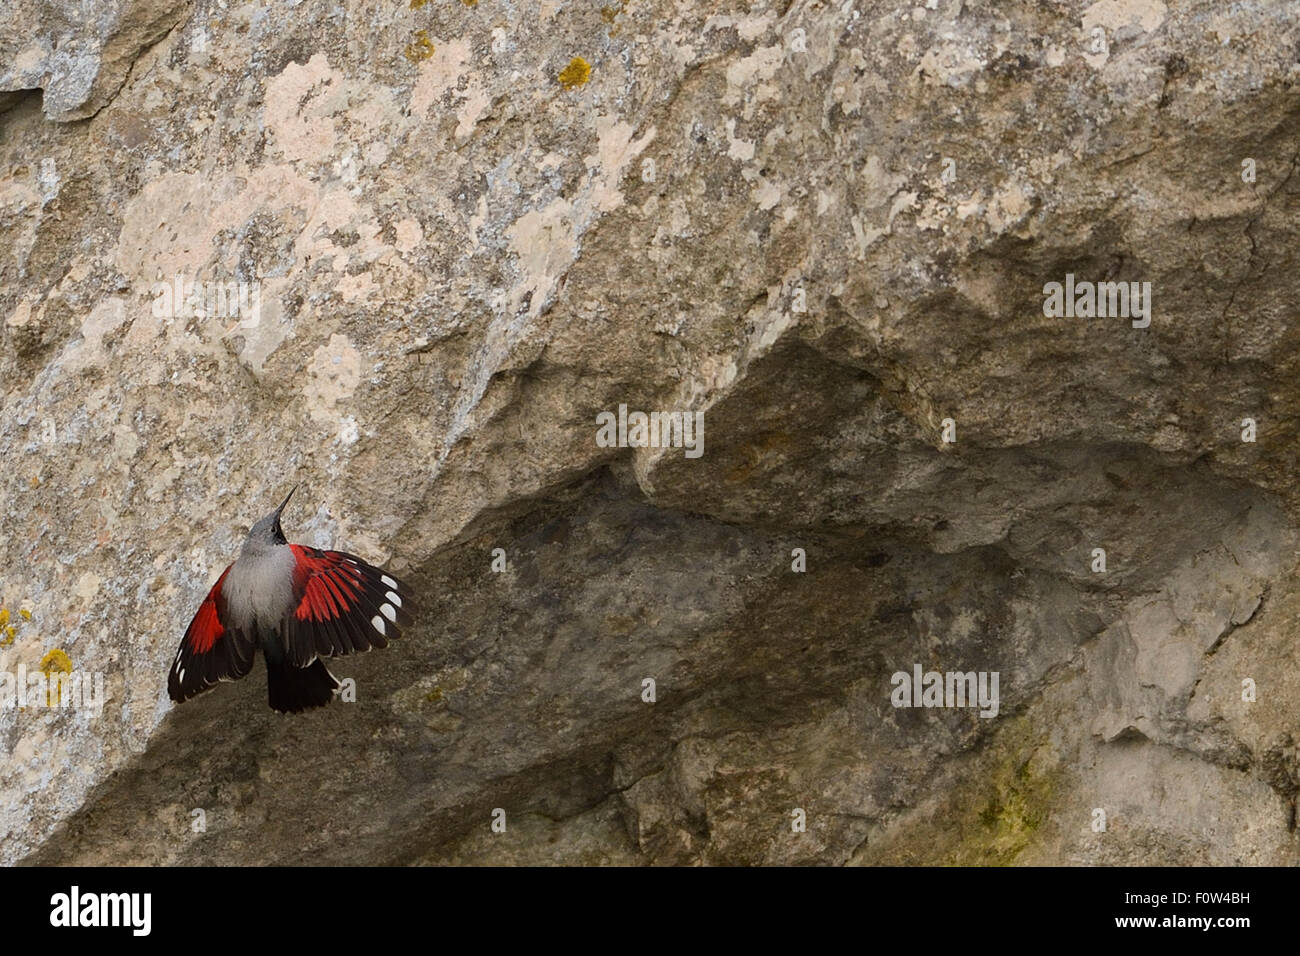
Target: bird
[(296, 604)]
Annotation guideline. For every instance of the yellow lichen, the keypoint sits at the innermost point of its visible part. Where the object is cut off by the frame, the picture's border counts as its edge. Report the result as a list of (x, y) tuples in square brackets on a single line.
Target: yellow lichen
[(9, 631), (575, 74), (417, 4), (421, 48), (55, 662)]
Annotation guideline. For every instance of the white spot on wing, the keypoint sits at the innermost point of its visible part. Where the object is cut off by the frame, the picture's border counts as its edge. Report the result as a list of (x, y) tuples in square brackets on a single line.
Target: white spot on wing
[(388, 582), (394, 598), (181, 675), (388, 611), (378, 623)]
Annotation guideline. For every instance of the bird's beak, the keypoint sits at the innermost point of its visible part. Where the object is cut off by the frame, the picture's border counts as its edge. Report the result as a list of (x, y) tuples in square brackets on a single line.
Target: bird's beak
[(286, 501)]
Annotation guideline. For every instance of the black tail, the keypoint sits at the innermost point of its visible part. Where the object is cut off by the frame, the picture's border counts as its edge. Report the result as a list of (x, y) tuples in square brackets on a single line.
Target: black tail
[(292, 689)]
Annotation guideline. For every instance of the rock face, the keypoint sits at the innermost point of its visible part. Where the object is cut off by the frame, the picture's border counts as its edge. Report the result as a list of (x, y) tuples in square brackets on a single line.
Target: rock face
[(407, 253)]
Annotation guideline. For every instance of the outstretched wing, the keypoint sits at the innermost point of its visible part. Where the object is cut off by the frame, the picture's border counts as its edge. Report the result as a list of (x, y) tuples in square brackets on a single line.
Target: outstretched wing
[(210, 652), (342, 605)]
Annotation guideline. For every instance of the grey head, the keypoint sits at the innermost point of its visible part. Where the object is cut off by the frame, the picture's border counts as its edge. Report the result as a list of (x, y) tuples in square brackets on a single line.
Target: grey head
[(266, 534)]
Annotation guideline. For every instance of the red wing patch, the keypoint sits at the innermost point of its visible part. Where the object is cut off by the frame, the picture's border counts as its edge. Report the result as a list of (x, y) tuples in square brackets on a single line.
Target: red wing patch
[(206, 628), (209, 652), (342, 605)]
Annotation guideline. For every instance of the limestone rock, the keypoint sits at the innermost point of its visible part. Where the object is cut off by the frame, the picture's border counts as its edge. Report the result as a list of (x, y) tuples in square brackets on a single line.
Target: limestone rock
[(407, 253)]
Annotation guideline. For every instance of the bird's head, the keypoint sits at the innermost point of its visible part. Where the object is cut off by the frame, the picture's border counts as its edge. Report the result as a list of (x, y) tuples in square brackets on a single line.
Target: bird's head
[(267, 533)]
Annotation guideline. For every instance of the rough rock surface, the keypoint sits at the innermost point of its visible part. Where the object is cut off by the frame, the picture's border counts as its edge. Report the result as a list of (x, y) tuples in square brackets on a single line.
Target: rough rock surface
[(475, 226)]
